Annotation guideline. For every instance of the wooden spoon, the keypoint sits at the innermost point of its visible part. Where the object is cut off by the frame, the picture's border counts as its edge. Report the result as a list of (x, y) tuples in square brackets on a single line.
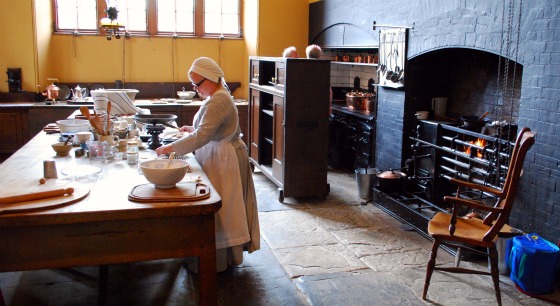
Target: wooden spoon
[(171, 157), (483, 116), (85, 111), (108, 118)]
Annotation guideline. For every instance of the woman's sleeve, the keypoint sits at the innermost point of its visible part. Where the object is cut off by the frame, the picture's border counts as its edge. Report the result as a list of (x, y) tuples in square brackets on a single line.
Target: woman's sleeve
[(212, 115)]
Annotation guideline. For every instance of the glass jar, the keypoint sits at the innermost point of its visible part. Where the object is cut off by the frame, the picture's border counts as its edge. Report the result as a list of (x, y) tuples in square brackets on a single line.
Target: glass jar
[(132, 152)]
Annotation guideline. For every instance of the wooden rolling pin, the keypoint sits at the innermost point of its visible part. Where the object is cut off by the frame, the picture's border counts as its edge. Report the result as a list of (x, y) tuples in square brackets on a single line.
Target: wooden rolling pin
[(36, 196)]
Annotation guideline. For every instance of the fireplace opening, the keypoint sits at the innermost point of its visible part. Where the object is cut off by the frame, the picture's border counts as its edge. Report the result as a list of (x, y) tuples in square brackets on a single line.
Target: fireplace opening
[(469, 79), (474, 82), (447, 146)]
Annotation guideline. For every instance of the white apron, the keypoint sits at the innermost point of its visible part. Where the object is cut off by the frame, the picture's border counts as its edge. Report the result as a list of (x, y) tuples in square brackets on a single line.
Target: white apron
[(219, 160)]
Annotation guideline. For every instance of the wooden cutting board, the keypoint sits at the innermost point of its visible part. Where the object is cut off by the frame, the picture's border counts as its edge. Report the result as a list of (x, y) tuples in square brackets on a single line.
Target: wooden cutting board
[(183, 192), (44, 204)]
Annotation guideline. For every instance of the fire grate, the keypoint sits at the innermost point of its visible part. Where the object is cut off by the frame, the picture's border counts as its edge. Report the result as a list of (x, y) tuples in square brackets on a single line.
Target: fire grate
[(441, 152)]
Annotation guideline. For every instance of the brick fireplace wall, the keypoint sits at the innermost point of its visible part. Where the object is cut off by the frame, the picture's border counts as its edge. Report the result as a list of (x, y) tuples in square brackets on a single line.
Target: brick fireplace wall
[(476, 24)]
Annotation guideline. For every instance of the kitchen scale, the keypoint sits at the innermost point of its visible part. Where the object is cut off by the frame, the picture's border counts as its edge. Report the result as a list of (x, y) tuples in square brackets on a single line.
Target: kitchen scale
[(155, 124)]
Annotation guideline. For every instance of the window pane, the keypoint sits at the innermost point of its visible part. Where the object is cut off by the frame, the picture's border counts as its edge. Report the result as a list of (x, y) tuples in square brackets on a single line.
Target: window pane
[(230, 24), (212, 23), (213, 6), (133, 14), (76, 15), (230, 7), (221, 17), (175, 16)]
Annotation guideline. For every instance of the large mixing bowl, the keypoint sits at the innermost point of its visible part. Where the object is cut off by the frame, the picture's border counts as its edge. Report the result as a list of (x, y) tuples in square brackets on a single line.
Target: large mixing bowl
[(73, 125), (122, 101), (163, 177)]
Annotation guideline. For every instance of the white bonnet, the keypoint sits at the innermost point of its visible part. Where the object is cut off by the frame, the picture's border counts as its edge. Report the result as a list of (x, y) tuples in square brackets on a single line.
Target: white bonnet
[(208, 68)]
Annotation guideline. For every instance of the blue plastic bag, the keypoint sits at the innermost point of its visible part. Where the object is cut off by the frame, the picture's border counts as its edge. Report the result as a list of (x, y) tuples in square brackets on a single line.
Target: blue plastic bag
[(533, 262)]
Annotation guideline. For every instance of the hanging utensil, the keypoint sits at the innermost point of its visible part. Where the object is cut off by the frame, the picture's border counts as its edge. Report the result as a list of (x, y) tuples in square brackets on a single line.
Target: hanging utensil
[(397, 71), (390, 57), (402, 42)]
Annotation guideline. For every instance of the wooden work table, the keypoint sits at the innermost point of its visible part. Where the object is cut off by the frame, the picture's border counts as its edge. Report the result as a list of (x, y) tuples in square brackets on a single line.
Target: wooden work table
[(105, 227)]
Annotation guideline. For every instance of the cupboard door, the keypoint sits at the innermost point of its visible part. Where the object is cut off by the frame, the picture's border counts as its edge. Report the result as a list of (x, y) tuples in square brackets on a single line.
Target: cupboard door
[(254, 119), (11, 138), (280, 75), (243, 118), (278, 136), (254, 73)]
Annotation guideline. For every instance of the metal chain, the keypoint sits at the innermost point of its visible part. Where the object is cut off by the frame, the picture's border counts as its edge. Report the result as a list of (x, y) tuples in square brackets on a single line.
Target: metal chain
[(507, 60), (516, 50), (515, 57), (497, 97)]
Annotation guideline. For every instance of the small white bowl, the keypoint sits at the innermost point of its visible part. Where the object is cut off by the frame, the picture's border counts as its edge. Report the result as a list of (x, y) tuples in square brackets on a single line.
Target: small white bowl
[(186, 95), (157, 173)]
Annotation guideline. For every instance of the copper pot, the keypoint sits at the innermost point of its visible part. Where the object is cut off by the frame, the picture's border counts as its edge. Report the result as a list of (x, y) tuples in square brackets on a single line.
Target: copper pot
[(371, 104), (360, 101), (52, 92), (391, 180)]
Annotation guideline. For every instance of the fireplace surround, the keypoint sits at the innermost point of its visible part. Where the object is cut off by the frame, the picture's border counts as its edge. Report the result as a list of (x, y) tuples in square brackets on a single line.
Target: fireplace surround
[(454, 48)]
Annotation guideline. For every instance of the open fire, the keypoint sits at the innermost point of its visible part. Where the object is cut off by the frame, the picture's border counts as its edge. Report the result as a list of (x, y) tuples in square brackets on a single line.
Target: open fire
[(479, 145)]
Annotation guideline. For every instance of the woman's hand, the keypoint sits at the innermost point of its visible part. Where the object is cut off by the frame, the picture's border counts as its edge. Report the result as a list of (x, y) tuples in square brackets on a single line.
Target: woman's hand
[(166, 149), (187, 128)]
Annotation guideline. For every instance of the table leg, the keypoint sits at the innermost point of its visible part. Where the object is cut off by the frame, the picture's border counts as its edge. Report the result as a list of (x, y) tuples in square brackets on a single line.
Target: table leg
[(103, 289), (2, 303), (207, 264)]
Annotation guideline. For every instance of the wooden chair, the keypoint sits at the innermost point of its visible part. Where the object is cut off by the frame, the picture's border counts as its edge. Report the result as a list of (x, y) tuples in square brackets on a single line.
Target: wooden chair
[(474, 234)]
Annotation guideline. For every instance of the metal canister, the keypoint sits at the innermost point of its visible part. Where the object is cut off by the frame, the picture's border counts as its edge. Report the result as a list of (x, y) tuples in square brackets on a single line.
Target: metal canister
[(49, 169)]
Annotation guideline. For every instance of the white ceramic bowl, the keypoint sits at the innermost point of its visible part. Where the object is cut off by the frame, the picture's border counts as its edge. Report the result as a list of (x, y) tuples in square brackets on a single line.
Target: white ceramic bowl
[(122, 101), (186, 95), (73, 125), (157, 173)]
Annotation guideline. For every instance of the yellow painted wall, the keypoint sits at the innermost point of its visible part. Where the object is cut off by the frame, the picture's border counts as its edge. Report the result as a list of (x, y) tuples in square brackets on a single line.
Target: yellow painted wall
[(283, 23), (16, 41), (268, 27)]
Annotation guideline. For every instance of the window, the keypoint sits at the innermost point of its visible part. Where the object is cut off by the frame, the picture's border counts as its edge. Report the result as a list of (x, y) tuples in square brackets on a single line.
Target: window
[(198, 18), (221, 17), (76, 15)]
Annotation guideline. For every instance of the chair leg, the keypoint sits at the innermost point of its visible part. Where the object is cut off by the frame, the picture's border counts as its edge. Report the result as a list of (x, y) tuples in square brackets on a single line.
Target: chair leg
[(430, 267), (458, 257), (2, 303), (494, 271)]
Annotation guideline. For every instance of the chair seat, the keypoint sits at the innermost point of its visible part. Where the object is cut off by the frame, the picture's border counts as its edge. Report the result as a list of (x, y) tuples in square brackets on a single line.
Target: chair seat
[(466, 230)]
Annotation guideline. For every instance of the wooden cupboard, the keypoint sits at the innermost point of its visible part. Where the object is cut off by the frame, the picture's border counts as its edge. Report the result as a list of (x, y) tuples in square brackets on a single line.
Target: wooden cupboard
[(288, 123)]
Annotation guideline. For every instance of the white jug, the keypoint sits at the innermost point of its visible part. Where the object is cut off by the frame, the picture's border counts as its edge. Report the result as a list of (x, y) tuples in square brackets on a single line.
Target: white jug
[(439, 105)]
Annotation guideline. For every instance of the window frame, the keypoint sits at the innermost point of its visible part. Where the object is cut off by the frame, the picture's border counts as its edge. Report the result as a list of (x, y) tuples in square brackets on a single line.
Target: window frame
[(151, 19)]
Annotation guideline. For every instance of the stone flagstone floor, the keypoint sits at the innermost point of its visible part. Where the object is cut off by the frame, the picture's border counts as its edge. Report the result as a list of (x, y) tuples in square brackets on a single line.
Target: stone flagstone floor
[(331, 251)]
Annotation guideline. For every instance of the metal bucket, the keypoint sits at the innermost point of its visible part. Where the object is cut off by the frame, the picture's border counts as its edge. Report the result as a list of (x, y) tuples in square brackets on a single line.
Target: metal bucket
[(366, 178)]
